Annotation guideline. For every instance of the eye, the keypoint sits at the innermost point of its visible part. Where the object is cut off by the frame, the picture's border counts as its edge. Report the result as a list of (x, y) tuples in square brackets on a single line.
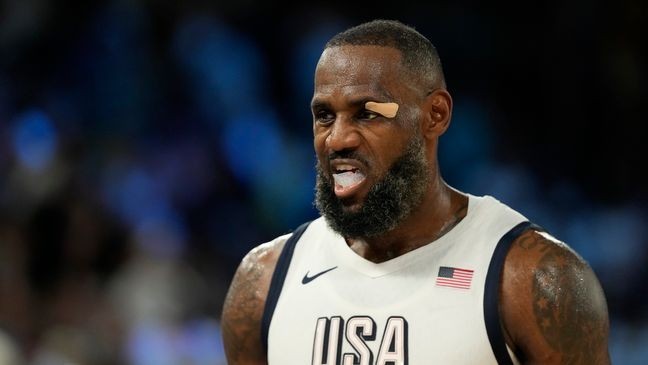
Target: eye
[(323, 117), (367, 115)]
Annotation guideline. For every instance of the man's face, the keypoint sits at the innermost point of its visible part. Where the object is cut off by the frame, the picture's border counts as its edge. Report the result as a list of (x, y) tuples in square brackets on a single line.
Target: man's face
[(372, 170)]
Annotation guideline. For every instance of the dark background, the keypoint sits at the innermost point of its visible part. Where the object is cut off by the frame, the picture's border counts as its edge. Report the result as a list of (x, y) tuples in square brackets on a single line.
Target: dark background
[(146, 146)]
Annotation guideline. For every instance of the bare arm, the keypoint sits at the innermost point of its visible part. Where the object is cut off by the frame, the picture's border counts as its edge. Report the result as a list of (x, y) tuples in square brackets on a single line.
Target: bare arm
[(553, 307), (244, 305)]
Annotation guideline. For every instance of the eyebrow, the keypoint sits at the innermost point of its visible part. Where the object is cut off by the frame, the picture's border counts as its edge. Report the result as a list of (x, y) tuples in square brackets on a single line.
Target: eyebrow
[(356, 103)]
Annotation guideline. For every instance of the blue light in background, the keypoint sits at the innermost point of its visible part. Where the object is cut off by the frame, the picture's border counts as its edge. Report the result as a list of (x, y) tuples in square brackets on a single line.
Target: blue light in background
[(466, 145), (284, 197), (34, 139), (608, 238), (197, 342), (133, 194), (202, 342), (304, 60), (253, 146), (114, 73), (278, 170), (225, 70), (163, 234), (151, 343)]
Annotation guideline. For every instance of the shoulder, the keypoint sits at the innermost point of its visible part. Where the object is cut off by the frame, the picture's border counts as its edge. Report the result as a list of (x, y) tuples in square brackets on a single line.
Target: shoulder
[(258, 264), (245, 302), (254, 273), (262, 258), (553, 307)]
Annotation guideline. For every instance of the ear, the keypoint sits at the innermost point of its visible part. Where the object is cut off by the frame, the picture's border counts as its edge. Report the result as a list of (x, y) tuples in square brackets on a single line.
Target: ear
[(437, 109)]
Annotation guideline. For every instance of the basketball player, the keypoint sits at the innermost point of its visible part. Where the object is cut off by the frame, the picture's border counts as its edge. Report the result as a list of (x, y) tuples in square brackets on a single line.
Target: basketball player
[(402, 268)]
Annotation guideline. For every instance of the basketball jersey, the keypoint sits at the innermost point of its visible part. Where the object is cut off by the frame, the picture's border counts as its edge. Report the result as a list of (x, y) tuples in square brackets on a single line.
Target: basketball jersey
[(437, 304)]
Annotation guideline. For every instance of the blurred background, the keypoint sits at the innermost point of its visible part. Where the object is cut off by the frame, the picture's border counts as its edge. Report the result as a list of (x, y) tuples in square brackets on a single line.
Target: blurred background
[(146, 146)]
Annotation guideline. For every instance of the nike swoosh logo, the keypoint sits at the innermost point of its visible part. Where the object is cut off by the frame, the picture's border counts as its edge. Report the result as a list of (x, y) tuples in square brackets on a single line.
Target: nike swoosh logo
[(307, 279)]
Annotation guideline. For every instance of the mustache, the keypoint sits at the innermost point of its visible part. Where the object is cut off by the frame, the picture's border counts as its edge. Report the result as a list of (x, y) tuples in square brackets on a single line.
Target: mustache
[(348, 154)]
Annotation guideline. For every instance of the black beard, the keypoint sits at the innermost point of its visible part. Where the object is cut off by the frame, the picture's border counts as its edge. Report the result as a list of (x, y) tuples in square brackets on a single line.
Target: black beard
[(388, 202)]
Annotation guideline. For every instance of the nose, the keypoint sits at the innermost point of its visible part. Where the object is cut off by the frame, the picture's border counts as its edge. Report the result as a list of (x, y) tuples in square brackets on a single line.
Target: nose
[(343, 135)]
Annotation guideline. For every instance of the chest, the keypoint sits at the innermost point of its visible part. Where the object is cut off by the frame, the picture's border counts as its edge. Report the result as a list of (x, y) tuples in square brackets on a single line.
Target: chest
[(426, 310)]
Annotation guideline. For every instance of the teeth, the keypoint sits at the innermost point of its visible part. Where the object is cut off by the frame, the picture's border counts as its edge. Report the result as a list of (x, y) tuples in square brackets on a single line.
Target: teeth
[(348, 178), (344, 168)]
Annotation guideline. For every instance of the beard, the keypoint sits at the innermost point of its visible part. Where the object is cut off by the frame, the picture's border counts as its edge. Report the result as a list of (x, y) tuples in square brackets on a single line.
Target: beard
[(388, 202)]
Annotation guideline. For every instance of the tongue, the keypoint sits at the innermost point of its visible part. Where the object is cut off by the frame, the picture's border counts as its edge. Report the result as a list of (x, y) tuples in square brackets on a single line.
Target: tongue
[(349, 178)]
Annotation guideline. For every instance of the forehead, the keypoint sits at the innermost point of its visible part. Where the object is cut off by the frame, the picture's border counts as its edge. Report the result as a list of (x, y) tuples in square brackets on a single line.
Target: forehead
[(351, 70)]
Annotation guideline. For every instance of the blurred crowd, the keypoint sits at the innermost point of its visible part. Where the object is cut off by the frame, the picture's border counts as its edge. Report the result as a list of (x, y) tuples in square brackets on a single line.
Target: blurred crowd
[(146, 146)]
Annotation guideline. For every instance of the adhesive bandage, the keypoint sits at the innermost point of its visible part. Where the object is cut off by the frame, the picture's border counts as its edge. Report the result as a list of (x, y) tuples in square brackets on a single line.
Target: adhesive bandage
[(387, 110)]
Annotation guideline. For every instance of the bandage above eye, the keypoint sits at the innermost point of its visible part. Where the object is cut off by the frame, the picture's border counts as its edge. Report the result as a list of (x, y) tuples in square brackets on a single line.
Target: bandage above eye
[(387, 110)]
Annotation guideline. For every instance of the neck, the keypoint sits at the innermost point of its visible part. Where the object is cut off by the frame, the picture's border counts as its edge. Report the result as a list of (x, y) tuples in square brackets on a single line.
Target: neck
[(441, 209)]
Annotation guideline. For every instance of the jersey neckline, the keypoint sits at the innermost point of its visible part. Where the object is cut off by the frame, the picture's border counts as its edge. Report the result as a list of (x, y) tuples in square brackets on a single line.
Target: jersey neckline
[(345, 255)]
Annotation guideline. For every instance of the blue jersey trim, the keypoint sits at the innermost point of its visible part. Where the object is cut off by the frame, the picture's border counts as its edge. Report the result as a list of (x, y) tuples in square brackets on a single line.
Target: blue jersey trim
[(277, 282), (492, 290)]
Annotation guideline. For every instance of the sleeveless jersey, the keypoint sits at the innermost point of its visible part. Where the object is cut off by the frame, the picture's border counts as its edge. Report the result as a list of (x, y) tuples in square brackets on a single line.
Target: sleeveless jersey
[(437, 304)]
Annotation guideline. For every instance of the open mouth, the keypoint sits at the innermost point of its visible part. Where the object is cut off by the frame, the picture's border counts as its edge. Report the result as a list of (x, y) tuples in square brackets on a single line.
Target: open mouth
[(347, 179)]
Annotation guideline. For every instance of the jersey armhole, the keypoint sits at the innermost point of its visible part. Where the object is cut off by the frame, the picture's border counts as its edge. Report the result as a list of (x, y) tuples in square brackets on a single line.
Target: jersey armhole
[(492, 289), (278, 277)]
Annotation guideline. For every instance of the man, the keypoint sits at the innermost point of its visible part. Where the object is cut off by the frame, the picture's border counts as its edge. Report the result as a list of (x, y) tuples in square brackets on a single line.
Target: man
[(401, 268)]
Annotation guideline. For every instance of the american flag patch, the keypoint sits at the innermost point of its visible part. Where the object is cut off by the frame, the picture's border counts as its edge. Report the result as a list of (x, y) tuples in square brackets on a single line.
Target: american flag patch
[(454, 277)]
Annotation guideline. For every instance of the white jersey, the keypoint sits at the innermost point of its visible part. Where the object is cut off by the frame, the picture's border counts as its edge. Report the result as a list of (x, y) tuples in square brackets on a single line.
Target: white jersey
[(436, 304)]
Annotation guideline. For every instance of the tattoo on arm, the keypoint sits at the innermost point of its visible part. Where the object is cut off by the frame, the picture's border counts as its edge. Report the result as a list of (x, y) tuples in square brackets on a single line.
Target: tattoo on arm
[(568, 303), (242, 313)]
